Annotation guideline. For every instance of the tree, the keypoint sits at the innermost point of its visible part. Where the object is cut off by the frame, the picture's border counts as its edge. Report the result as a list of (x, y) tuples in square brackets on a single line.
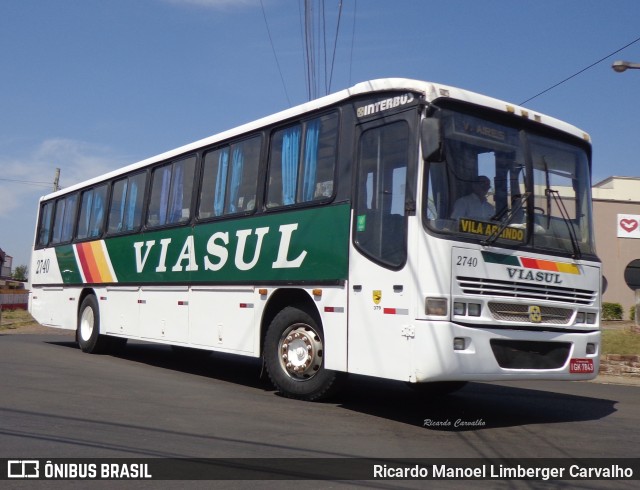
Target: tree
[(20, 273)]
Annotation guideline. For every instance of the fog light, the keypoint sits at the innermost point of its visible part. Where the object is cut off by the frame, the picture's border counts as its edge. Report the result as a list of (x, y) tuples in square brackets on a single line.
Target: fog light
[(591, 318), (591, 348), (436, 306), (459, 308), (580, 317), (474, 309), (458, 343)]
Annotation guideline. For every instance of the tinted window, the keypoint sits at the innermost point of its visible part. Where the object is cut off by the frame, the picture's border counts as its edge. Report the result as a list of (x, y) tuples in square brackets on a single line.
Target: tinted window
[(44, 230), (229, 179), (92, 212), (125, 213), (64, 219), (302, 162), (171, 193)]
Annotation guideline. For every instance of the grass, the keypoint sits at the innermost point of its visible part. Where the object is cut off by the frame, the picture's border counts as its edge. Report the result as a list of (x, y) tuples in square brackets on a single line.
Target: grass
[(623, 342), (11, 319)]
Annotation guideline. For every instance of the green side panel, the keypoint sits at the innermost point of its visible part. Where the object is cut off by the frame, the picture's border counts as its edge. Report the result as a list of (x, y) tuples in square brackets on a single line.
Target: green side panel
[(305, 245), (503, 259), (68, 265)]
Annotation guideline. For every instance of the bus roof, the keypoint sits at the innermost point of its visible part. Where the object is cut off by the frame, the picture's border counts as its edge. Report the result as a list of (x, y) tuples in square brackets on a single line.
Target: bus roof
[(429, 90)]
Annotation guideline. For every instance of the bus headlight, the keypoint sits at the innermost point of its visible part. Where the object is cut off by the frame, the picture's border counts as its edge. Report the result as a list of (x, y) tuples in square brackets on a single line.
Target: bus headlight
[(459, 308), (436, 306), (475, 309)]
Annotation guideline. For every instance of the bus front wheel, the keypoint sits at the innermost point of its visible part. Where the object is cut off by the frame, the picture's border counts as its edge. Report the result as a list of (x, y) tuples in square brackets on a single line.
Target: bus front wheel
[(294, 356), (88, 332)]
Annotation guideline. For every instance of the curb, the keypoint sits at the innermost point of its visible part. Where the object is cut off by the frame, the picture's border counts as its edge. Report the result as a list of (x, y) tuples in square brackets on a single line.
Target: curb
[(618, 365)]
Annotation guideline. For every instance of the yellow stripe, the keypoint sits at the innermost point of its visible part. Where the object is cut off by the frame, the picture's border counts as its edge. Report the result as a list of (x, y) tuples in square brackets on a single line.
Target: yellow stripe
[(101, 261), (567, 268)]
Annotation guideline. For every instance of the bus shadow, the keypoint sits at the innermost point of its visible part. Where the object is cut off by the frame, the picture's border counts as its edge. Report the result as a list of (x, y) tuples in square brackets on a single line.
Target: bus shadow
[(245, 371), (475, 407), (230, 368)]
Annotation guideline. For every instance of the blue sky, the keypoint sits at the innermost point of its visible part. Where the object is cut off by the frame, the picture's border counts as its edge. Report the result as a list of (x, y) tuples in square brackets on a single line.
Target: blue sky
[(91, 85)]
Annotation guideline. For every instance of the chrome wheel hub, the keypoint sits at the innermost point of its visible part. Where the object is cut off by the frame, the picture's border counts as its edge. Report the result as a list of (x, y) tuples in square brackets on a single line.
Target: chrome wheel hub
[(86, 324), (300, 351)]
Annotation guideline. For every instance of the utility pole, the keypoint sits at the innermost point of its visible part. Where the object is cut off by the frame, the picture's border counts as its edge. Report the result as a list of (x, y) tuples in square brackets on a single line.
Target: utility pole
[(56, 180)]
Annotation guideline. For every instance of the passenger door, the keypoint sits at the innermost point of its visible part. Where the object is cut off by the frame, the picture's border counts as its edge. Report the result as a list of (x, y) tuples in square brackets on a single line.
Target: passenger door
[(379, 300)]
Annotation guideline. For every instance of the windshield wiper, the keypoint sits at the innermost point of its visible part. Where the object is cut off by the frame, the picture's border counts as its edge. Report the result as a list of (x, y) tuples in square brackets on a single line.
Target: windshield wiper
[(577, 254), (507, 219)]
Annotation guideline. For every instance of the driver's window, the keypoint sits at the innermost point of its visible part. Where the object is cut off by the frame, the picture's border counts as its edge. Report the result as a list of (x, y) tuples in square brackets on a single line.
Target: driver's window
[(382, 175)]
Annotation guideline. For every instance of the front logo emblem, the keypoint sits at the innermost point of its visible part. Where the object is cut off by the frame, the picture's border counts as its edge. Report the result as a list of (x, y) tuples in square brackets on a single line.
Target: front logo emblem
[(535, 316), (377, 296)]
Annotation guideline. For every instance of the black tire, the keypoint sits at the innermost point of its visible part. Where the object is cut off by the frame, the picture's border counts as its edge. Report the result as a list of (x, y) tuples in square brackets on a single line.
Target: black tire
[(437, 388), (88, 330), (293, 332)]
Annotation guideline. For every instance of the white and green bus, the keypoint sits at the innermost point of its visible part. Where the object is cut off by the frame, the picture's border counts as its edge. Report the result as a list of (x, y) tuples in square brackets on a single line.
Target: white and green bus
[(330, 238)]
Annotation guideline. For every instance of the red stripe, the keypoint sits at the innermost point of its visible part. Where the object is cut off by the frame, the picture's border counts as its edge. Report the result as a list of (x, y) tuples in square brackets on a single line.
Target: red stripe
[(529, 263), (84, 261)]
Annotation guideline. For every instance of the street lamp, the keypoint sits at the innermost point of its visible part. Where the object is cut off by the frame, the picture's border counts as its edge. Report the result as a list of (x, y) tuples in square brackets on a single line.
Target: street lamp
[(621, 66)]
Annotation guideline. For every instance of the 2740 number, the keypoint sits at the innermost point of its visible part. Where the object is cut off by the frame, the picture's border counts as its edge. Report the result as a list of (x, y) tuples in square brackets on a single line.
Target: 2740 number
[(42, 266), (465, 261)]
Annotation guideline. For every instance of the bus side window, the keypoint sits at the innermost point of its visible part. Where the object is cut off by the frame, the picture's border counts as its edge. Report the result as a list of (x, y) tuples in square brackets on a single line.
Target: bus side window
[(125, 213), (230, 179), (243, 176), (214, 183), (171, 193), (64, 219), (302, 162), (92, 211), (319, 159), (44, 229)]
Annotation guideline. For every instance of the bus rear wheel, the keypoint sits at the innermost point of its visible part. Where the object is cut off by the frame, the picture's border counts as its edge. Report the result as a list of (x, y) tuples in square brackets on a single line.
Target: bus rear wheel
[(294, 356), (88, 331)]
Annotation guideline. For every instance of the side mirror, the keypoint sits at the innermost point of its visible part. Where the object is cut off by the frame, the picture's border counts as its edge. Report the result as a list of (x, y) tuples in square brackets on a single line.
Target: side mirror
[(431, 140)]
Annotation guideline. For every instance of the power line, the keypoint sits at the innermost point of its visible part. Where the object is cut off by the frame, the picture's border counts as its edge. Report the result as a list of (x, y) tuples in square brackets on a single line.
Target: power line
[(353, 37), (335, 45), (318, 67), (310, 49), (264, 14), (324, 45), (581, 71), (28, 182)]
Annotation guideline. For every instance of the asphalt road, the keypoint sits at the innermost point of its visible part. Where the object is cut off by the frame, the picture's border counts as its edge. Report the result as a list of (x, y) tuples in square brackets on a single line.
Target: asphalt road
[(57, 402)]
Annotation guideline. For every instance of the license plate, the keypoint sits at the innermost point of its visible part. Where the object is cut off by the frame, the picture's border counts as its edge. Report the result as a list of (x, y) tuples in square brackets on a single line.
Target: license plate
[(581, 366)]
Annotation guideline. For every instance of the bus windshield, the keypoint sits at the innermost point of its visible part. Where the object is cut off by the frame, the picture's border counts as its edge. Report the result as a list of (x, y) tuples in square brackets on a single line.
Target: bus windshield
[(508, 186)]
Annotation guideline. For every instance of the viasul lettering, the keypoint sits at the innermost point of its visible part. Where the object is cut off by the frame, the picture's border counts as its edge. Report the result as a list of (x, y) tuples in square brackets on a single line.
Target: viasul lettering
[(216, 253), (537, 276)]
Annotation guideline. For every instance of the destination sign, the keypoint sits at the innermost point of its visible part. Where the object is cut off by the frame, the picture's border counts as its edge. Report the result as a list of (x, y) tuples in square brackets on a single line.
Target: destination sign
[(485, 229)]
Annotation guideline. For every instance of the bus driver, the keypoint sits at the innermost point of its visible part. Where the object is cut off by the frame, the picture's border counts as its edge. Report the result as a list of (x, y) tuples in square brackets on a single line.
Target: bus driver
[(475, 204)]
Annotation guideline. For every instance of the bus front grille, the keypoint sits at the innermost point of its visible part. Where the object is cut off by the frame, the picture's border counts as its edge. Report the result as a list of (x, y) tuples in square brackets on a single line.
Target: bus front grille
[(523, 354), (510, 312), (525, 291)]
